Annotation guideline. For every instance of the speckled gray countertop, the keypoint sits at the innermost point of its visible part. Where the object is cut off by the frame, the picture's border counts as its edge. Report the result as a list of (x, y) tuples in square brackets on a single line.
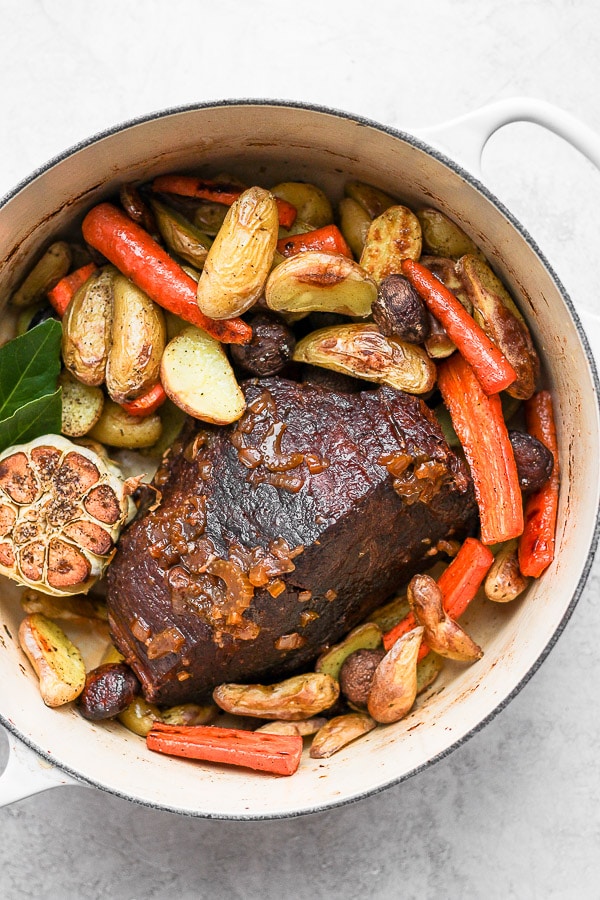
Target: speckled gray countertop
[(514, 812)]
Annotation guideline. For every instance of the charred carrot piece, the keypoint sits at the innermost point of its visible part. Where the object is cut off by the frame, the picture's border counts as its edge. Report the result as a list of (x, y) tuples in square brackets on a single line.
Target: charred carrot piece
[(138, 256), (536, 545), (403, 627), (275, 753), (217, 192), (148, 403), (328, 239), (491, 367), (63, 291), (461, 580), (459, 583), (478, 421)]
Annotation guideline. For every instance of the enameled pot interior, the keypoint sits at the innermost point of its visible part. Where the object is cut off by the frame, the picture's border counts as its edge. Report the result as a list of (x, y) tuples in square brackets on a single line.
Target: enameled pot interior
[(267, 144)]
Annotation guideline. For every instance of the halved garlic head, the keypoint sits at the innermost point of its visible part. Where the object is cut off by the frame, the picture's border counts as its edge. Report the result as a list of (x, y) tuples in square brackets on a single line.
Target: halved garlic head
[(62, 508)]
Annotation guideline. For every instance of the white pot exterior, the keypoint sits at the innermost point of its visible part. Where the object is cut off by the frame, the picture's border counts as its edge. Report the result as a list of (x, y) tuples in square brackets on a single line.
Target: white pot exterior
[(274, 142)]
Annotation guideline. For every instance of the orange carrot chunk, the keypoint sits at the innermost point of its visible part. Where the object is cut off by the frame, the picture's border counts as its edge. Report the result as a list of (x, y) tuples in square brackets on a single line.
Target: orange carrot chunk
[(148, 403), (275, 753), (536, 545), (491, 367), (459, 583), (328, 239), (461, 580), (63, 291), (478, 421), (138, 256), (216, 192)]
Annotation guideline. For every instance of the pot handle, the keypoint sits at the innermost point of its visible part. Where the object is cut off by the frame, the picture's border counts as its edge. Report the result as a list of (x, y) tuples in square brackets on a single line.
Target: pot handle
[(465, 137), (27, 773)]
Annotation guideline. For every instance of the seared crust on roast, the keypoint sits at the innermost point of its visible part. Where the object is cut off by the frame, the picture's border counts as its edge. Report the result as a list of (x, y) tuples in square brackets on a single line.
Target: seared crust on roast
[(276, 535)]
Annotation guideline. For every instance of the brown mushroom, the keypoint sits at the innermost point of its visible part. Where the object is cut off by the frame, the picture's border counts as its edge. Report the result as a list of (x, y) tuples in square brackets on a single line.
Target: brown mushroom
[(270, 349), (534, 461), (356, 675), (108, 690), (398, 310)]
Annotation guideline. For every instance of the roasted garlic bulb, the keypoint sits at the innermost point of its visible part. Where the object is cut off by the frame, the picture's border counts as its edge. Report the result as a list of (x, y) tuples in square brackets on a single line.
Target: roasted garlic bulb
[(62, 508)]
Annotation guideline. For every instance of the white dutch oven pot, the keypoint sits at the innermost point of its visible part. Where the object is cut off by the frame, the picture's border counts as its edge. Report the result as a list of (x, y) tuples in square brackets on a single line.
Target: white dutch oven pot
[(282, 142)]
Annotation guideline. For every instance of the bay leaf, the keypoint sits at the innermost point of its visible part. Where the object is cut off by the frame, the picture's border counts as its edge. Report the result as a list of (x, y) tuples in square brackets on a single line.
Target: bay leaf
[(34, 419), (29, 367)]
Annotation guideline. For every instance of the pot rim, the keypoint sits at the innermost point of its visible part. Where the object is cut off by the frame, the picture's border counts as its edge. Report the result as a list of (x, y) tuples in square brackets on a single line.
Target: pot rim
[(473, 182)]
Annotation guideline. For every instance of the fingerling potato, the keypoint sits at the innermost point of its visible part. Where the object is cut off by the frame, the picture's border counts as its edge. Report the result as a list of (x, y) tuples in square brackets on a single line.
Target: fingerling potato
[(87, 326), (393, 236), (82, 405), (116, 428), (240, 257), (312, 204), (315, 281), (53, 265), (363, 352), (198, 377), (138, 339), (55, 659)]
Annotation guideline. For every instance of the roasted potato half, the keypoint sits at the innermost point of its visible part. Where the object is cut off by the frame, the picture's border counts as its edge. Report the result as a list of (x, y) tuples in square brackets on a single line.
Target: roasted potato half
[(299, 697), (87, 327), (497, 313), (442, 634), (313, 281), (393, 236), (198, 377), (81, 405), (138, 339), (355, 222), (312, 204), (53, 265), (372, 200), (181, 236), (116, 428), (362, 351), (443, 237), (394, 686), (504, 581), (55, 659), (240, 258), (338, 732)]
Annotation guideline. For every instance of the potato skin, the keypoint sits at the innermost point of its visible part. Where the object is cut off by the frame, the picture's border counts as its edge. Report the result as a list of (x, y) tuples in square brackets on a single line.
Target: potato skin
[(393, 236), (138, 341), (197, 377), (87, 326), (240, 257), (117, 428)]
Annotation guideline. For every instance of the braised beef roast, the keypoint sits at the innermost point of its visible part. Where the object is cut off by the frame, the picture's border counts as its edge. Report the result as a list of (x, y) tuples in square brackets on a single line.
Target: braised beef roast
[(276, 535)]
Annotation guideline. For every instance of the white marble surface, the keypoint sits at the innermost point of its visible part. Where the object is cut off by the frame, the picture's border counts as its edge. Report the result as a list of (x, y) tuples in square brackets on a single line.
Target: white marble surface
[(514, 813)]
